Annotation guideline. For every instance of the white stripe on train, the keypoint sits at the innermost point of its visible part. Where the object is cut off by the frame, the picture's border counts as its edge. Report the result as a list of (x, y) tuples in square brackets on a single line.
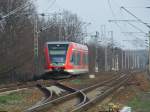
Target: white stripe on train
[(72, 71)]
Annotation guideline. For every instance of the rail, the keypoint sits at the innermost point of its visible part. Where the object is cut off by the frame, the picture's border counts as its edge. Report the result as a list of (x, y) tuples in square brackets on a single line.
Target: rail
[(83, 95)]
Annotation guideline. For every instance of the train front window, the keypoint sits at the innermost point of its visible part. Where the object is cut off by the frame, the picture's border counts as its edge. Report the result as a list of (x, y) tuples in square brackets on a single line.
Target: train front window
[(57, 53)]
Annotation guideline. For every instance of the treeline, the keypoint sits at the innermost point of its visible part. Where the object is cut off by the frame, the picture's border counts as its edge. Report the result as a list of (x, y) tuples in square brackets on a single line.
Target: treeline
[(110, 58), (16, 38)]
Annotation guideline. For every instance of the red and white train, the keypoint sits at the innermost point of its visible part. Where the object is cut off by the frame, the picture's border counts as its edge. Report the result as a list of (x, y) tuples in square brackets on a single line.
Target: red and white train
[(66, 58)]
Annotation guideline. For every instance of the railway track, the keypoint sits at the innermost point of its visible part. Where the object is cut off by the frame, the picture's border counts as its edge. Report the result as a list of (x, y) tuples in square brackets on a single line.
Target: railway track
[(78, 100), (24, 85), (29, 84)]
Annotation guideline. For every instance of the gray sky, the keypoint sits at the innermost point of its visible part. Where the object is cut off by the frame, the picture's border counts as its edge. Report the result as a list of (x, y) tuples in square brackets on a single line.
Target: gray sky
[(98, 12)]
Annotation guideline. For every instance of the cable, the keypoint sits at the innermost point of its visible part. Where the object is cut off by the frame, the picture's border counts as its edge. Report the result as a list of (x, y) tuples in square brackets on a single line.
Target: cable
[(138, 40), (15, 11), (50, 5), (136, 27), (113, 14), (137, 7), (111, 9), (53, 2), (141, 21), (128, 22)]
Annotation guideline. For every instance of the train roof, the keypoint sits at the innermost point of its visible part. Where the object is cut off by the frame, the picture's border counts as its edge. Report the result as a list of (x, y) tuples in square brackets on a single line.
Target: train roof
[(58, 42), (76, 45)]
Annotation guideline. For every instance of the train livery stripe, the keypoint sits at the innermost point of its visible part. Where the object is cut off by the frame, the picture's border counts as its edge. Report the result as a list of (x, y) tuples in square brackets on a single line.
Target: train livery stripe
[(76, 71), (72, 71)]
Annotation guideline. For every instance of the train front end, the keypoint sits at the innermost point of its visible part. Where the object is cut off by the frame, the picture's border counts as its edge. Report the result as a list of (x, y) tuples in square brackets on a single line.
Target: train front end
[(55, 53)]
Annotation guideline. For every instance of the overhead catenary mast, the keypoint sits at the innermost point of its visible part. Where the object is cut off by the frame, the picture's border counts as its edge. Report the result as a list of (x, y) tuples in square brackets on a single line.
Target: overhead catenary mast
[(141, 21)]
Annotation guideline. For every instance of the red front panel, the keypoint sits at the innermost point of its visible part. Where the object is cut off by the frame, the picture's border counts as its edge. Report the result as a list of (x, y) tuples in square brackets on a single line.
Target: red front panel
[(49, 66), (47, 59)]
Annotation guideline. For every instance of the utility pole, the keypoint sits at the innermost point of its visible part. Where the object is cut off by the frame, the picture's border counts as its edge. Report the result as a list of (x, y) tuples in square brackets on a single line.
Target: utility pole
[(122, 59), (103, 38), (128, 59), (149, 50), (133, 61), (103, 35), (113, 67), (125, 59), (142, 23), (112, 46), (139, 62), (36, 36), (106, 63), (60, 27), (106, 57), (117, 62), (37, 31), (96, 54)]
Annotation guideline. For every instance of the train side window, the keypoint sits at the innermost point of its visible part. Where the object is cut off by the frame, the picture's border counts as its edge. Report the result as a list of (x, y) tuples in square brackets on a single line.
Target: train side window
[(73, 58), (86, 58), (78, 58)]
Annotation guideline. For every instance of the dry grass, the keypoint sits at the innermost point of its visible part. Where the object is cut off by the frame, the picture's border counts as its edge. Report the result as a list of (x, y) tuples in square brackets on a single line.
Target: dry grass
[(19, 101)]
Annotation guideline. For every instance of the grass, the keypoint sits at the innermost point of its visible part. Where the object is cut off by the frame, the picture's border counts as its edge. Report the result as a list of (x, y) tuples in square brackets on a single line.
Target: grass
[(16, 101), (76, 81), (11, 98), (139, 105)]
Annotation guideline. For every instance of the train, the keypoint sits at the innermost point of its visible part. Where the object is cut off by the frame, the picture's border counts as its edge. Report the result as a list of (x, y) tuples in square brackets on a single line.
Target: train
[(65, 59)]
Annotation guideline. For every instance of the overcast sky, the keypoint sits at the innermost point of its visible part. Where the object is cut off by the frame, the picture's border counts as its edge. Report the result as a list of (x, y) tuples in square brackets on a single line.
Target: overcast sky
[(98, 12)]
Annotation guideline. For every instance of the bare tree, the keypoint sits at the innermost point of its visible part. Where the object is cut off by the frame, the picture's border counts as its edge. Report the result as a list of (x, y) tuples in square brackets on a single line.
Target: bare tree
[(16, 39)]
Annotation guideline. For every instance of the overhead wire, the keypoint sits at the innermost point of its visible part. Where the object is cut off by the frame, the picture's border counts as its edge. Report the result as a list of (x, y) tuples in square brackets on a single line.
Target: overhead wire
[(128, 22), (113, 14), (48, 3), (138, 40), (136, 27), (16, 10), (52, 3), (140, 20)]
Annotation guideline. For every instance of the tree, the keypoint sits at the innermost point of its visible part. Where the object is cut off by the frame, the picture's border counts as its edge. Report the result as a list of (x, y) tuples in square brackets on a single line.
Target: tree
[(64, 26), (16, 39)]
